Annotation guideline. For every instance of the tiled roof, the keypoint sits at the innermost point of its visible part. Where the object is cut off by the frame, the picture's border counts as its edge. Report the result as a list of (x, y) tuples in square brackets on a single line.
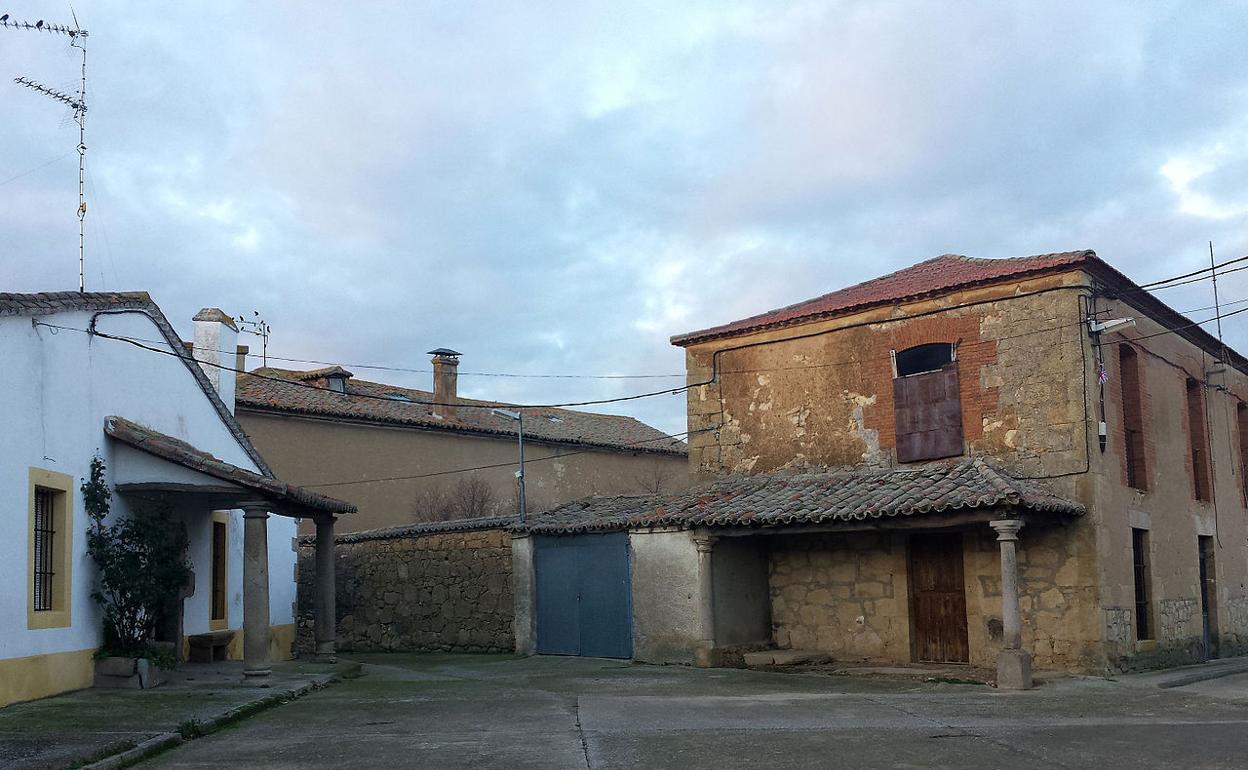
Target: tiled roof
[(287, 391), (179, 452), (940, 274), (46, 303), (421, 529), (789, 499)]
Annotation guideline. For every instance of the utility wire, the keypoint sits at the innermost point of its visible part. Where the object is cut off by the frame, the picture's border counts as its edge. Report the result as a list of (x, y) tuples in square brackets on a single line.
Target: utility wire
[(138, 342), (511, 464), (1194, 273), (92, 331), (518, 375)]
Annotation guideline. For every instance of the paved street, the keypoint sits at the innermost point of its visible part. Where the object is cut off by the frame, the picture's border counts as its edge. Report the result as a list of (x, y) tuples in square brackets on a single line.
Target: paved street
[(487, 712)]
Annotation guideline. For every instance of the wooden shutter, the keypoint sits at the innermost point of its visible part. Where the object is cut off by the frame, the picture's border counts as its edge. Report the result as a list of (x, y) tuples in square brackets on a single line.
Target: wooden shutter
[(928, 414)]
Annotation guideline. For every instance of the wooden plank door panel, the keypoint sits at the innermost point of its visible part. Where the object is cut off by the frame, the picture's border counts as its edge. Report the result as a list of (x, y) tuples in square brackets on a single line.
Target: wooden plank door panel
[(938, 599)]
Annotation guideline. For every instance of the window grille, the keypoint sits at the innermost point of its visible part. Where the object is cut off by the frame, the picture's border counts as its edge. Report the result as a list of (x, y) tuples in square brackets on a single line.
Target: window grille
[(45, 540)]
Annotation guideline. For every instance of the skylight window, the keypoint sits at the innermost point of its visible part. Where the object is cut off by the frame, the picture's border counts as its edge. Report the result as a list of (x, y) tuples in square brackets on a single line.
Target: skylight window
[(399, 397)]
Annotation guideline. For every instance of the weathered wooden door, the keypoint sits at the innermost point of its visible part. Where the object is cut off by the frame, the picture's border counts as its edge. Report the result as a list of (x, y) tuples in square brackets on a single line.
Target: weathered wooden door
[(938, 599), (1208, 597)]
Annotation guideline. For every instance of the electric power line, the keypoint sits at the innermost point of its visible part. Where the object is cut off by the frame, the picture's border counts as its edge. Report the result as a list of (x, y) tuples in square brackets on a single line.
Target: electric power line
[(511, 464)]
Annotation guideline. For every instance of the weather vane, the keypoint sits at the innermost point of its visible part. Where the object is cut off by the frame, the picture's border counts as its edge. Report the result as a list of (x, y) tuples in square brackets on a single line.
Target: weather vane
[(77, 39)]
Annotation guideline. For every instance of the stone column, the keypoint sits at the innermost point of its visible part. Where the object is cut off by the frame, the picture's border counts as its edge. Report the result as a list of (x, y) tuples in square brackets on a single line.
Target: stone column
[(1014, 663), (255, 590), (325, 622), (704, 654)]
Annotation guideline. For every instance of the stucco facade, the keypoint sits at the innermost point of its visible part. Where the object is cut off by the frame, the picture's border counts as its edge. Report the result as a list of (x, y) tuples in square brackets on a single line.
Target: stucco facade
[(58, 388), (820, 394), (311, 451)]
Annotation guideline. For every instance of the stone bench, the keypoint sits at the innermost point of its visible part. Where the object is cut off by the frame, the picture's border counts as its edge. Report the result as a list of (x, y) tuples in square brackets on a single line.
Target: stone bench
[(211, 647)]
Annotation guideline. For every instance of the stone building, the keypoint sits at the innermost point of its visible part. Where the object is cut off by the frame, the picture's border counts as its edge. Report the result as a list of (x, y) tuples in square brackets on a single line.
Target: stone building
[(397, 453), (968, 460)]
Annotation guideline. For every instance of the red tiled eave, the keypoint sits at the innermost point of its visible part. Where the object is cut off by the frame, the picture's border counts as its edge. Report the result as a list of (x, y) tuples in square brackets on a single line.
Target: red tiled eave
[(941, 274), (181, 453)]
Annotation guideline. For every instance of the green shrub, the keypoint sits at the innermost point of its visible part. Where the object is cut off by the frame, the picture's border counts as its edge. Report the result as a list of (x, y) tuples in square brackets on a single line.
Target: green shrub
[(142, 564)]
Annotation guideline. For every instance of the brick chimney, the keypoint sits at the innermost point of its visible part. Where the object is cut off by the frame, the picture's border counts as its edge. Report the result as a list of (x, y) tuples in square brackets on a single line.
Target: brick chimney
[(214, 346), (445, 378)]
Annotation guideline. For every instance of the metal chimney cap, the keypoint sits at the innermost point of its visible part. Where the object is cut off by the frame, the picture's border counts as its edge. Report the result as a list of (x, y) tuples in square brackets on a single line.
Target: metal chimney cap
[(444, 352)]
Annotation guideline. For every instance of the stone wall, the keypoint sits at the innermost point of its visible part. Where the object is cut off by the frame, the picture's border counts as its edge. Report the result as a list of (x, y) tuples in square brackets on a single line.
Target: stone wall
[(822, 395), (419, 590), (848, 595)]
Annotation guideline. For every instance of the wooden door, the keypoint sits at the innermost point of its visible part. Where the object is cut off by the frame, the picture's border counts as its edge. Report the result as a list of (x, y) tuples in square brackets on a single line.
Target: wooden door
[(938, 599)]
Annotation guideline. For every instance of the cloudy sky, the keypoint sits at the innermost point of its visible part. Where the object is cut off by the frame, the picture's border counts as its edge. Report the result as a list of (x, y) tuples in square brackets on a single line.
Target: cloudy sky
[(558, 188)]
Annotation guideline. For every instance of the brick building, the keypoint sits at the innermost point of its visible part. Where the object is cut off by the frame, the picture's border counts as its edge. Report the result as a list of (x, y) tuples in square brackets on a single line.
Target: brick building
[(967, 460)]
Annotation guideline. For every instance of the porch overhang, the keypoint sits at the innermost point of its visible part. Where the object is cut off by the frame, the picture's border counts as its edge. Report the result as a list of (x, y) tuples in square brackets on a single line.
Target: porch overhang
[(935, 496), (150, 464)]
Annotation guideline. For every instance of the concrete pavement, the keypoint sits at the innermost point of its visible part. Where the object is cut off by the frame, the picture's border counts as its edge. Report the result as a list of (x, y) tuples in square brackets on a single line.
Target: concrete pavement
[(448, 711), (79, 728)]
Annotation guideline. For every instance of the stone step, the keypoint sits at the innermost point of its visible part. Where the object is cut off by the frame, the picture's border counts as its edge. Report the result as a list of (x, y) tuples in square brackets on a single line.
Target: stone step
[(785, 657)]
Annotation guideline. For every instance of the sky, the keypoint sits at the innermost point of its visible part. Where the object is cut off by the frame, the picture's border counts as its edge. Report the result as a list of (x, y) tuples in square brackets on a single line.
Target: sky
[(558, 188)]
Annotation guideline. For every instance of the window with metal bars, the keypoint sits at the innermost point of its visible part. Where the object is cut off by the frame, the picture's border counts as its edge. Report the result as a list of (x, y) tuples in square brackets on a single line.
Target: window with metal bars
[(45, 544), (1139, 560)]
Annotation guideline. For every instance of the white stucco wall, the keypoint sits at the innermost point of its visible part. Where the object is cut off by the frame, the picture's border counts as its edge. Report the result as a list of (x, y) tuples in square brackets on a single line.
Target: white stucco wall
[(666, 626), (55, 391)]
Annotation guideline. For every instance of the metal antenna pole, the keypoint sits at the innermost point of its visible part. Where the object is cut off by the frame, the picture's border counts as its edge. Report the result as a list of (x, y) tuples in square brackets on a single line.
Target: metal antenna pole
[(1217, 307), (77, 39), (80, 116)]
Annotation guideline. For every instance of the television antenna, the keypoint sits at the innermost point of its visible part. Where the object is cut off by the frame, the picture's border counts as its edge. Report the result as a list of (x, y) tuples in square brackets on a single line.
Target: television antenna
[(257, 326), (77, 39)]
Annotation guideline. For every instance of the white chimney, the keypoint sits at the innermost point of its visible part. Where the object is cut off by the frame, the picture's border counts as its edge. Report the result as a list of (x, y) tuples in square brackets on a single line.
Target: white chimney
[(215, 346)]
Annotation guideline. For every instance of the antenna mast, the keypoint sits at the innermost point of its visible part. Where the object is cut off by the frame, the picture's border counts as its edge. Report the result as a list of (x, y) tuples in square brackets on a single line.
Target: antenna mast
[(257, 326), (77, 39), (1217, 307)]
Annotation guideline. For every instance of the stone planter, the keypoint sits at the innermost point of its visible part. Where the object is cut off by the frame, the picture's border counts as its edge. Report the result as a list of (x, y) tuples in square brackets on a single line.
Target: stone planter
[(129, 673)]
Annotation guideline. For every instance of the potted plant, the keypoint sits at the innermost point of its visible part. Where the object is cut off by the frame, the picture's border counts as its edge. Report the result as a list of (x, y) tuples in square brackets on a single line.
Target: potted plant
[(141, 561)]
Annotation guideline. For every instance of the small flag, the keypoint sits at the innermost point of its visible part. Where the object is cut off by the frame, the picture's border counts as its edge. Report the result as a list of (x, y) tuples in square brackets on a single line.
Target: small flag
[(1102, 376)]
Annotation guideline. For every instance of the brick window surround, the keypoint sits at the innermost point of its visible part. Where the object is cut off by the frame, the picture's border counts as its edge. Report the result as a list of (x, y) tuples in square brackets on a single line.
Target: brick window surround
[(1241, 420), (927, 404), (1198, 441), (1135, 464)]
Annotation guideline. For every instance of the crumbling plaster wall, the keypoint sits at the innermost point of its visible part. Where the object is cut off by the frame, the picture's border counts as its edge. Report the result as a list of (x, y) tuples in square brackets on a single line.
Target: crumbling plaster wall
[(822, 394), (666, 615), (1167, 508)]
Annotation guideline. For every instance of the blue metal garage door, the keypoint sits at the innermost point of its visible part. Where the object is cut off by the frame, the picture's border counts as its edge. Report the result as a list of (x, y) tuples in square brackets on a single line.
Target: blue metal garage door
[(584, 595)]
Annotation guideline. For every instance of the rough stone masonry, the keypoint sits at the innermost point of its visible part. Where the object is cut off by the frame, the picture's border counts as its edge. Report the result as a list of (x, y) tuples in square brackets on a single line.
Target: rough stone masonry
[(417, 590)]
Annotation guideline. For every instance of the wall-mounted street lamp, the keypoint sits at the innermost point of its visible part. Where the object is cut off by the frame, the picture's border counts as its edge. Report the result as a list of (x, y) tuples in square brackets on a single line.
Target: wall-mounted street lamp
[(519, 418)]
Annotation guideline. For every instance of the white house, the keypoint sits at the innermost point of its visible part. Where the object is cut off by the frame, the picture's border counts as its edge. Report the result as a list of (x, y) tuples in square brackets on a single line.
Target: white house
[(83, 374)]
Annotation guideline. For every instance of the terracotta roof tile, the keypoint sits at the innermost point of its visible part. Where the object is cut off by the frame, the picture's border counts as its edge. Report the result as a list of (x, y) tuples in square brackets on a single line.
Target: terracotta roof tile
[(181, 453), (787, 499), (284, 390), (940, 274)]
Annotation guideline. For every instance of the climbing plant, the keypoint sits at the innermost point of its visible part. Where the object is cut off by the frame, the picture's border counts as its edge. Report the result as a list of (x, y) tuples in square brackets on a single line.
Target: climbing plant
[(141, 561)]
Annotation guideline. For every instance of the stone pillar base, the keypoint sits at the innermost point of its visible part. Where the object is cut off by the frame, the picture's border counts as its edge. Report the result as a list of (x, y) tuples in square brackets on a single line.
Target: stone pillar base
[(704, 656), (1014, 670)]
